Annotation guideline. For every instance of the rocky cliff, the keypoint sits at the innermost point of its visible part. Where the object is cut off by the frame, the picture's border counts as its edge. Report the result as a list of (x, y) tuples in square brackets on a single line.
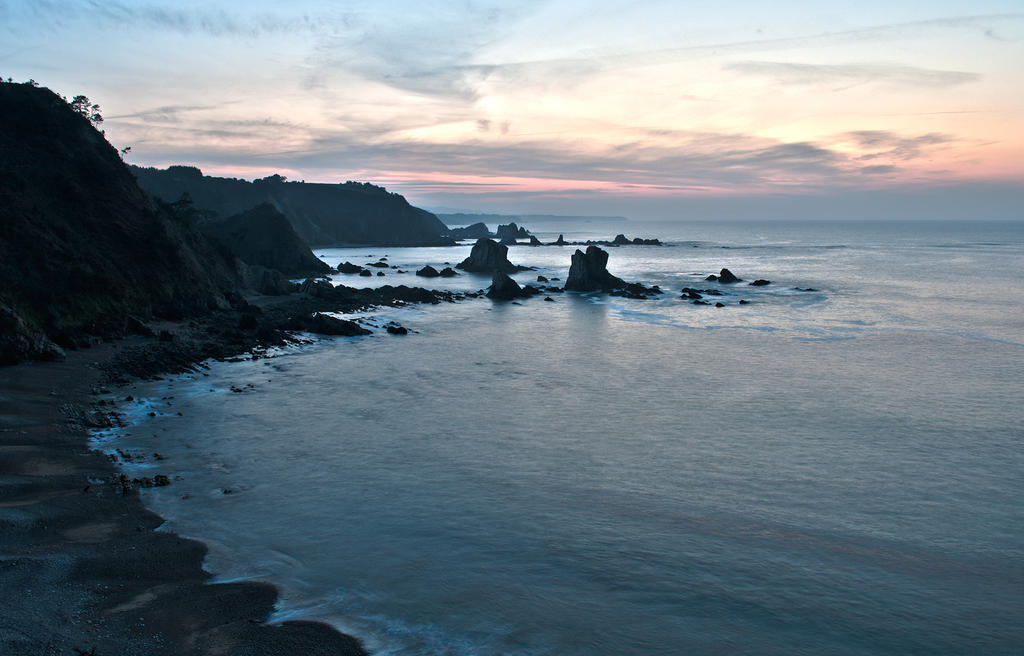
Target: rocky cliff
[(81, 246), (322, 214)]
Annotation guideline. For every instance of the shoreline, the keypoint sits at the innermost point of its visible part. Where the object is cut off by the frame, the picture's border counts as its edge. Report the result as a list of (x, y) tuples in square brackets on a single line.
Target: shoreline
[(79, 542), (93, 570)]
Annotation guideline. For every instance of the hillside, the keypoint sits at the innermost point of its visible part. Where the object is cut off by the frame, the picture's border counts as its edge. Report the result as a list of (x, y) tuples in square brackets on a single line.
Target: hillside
[(81, 245), (263, 236), (322, 214)]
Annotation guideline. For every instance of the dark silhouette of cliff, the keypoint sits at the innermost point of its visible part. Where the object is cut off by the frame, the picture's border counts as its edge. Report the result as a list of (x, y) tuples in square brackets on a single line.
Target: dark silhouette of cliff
[(322, 214), (81, 246), (263, 236)]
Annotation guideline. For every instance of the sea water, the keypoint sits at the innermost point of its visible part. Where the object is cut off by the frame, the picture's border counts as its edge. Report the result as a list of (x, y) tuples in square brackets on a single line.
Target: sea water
[(837, 471)]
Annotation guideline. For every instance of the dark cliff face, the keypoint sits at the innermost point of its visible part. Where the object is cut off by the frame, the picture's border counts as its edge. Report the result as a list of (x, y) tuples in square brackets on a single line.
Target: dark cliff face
[(322, 214), (81, 245), (263, 236)]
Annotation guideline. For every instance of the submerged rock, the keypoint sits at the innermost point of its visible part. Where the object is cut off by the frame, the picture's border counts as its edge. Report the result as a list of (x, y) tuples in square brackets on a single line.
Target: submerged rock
[(588, 272), (488, 256), (760, 282), (395, 329)]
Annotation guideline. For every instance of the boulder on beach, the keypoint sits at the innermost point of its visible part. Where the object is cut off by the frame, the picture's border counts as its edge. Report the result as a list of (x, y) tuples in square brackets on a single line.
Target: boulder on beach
[(428, 272), (488, 256), (588, 272)]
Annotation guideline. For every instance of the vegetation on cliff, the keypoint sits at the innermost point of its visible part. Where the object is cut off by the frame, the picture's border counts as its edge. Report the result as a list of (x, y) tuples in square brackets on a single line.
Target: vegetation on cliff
[(322, 214)]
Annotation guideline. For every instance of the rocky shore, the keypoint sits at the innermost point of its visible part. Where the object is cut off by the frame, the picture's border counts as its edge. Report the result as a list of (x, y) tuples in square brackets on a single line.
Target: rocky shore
[(94, 576)]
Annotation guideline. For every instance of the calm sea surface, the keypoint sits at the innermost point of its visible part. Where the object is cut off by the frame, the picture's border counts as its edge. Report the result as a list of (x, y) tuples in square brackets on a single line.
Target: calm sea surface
[(838, 471)]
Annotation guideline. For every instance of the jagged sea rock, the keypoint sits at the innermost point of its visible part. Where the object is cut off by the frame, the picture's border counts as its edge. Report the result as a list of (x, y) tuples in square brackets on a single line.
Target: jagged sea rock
[(348, 267), (475, 231), (534, 241), (488, 256), (511, 232), (726, 276), (504, 288), (560, 241), (588, 272), (428, 272)]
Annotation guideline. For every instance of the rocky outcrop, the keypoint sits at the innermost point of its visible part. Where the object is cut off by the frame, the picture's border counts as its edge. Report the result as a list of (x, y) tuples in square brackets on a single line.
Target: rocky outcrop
[(760, 282), (488, 256), (81, 246), (560, 241), (475, 231), (428, 272), (724, 276), (322, 214), (588, 272), (534, 241), (348, 267), (620, 240), (325, 324), (448, 272), (504, 288), (263, 236), (511, 232)]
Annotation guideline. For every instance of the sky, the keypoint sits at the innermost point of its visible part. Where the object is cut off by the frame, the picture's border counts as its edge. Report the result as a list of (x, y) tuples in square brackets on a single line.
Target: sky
[(651, 110)]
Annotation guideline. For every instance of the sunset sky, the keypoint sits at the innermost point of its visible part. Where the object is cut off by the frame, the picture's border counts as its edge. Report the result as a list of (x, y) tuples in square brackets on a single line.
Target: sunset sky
[(647, 109)]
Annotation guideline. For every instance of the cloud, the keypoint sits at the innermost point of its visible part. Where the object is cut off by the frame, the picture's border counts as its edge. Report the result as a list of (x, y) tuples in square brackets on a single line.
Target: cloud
[(170, 17), (850, 75), (884, 143), (881, 168)]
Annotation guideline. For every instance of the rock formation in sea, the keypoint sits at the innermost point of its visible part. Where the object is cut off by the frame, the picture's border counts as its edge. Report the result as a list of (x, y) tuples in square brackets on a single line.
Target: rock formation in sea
[(488, 256), (588, 272), (428, 272), (510, 232), (724, 276), (476, 231), (348, 267), (504, 288)]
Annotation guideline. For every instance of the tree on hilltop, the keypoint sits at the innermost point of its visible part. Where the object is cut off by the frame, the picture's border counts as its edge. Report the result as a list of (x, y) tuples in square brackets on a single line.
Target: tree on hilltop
[(87, 108)]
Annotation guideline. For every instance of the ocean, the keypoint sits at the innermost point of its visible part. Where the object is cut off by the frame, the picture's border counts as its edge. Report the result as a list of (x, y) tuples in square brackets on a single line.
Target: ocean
[(835, 471)]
